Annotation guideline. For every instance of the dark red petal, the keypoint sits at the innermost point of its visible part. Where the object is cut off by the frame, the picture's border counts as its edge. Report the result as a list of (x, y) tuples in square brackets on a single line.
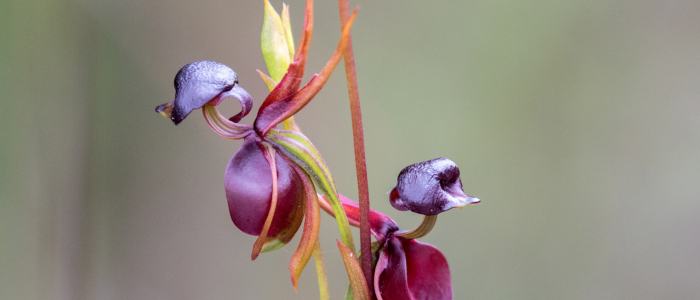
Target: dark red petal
[(428, 272), (248, 185), (274, 111), (408, 269), (305, 40), (390, 274), (380, 224), (295, 72)]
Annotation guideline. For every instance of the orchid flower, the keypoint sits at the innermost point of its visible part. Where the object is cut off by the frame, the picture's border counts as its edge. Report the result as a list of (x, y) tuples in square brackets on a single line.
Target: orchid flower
[(269, 181), (407, 269)]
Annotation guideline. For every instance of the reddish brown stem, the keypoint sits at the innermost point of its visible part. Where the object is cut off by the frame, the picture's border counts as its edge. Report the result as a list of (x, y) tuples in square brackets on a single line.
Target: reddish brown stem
[(359, 143)]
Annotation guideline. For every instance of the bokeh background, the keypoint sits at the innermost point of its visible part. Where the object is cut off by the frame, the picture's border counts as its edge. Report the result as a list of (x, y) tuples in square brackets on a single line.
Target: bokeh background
[(577, 123)]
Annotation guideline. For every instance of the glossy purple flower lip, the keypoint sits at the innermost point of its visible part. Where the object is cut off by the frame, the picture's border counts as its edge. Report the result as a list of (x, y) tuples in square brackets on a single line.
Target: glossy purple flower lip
[(248, 185), (201, 82), (410, 270), (429, 188), (407, 269)]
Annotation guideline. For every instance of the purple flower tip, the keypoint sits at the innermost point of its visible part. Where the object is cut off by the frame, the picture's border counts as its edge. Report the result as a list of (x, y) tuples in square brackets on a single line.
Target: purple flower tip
[(429, 188), (200, 82)]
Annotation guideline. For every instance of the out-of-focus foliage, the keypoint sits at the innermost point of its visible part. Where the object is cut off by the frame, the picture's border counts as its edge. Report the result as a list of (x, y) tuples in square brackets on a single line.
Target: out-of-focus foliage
[(575, 122)]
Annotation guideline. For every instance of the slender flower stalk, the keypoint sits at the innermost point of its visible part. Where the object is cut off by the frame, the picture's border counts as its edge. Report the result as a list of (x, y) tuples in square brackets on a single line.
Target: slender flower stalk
[(359, 146)]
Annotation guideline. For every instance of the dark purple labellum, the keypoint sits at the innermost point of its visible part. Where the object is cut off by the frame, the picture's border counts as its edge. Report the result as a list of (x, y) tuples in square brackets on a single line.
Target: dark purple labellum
[(248, 185), (411, 270), (429, 188), (203, 81)]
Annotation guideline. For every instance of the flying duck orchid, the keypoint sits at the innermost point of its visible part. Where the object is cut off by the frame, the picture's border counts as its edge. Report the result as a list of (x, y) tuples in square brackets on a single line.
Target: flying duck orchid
[(269, 181), (406, 269), (278, 179)]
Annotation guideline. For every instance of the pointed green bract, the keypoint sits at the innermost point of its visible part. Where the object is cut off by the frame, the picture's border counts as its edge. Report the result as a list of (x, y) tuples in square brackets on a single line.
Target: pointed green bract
[(271, 83), (360, 290), (273, 42), (302, 152)]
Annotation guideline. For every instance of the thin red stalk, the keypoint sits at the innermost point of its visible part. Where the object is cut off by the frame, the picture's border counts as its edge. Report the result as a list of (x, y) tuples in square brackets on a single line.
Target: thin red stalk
[(359, 143)]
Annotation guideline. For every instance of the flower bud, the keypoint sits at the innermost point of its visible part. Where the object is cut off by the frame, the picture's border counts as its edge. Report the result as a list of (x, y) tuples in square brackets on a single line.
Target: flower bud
[(274, 44)]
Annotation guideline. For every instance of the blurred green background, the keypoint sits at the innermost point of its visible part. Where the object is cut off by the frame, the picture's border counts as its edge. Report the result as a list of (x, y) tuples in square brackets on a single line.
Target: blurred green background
[(576, 122)]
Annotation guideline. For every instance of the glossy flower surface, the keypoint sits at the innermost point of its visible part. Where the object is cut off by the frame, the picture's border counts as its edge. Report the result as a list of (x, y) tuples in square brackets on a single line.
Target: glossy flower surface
[(248, 184), (408, 270), (202, 82), (429, 188)]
